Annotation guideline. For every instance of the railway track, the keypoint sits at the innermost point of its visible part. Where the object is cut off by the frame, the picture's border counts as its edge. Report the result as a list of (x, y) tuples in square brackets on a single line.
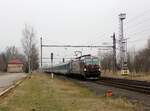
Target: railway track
[(134, 85)]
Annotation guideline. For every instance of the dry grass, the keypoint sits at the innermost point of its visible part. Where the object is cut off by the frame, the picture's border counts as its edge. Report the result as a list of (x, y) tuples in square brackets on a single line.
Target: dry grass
[(142, 77), (134, 76), (40, 93)]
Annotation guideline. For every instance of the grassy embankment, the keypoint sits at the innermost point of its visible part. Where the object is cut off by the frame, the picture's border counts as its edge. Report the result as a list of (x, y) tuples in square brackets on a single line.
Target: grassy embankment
[(40, 93)]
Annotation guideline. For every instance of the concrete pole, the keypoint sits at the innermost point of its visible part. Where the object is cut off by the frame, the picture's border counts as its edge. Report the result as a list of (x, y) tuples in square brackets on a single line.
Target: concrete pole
[(114, 53), (41, 53)]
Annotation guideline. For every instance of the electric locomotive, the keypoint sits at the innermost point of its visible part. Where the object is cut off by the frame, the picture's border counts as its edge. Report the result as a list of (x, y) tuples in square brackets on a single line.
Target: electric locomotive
[(87, 66)]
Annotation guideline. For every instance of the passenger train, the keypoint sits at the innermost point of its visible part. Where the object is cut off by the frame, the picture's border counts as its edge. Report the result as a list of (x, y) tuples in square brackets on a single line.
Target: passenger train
[(85, 66)]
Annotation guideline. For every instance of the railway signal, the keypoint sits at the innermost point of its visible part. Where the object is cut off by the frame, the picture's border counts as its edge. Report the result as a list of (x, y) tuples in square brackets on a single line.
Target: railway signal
[(52, 57), (41, 52), (52, 75), (114, 53), (63, 60)]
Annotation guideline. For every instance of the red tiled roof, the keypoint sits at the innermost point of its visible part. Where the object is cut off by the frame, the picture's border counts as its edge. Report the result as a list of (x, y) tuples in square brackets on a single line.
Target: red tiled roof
[(15, 61)]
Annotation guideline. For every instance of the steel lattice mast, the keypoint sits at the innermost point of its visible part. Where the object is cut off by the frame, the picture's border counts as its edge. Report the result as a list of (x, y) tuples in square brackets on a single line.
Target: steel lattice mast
[(122, 41)]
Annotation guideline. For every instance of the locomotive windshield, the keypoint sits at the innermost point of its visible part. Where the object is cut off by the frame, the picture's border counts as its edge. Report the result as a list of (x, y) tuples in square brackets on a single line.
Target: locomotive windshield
[(95, 61), (92, 61)]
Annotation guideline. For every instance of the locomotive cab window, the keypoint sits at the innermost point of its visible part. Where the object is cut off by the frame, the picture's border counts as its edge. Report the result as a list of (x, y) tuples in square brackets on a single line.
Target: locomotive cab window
[(91, 61), (95, 61), (88, 61)]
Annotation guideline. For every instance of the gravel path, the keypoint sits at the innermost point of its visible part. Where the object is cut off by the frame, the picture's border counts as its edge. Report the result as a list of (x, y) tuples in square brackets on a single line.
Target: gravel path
[(8, 79)]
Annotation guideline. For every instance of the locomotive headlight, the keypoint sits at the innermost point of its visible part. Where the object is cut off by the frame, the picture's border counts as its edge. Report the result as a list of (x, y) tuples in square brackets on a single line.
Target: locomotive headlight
[(99, 69), (84, 69)]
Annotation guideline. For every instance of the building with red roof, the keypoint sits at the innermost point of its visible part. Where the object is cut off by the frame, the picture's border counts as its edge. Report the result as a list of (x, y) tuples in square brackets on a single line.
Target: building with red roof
[(15, 66)]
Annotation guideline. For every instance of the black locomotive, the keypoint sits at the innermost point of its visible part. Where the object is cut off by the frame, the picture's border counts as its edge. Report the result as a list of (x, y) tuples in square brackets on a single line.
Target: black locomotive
[(85, 66)]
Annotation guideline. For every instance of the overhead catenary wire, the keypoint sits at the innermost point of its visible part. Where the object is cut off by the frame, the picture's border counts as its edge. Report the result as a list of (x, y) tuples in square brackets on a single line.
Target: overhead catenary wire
[(139, 32), (136, 26), (140, 39), (133, 19), (89, 42), (130, 29), (76, 46)]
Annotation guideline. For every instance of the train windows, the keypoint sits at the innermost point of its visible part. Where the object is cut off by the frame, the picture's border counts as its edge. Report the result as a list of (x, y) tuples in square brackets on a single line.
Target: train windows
[(88, 61), (95, 61), (92, 61)]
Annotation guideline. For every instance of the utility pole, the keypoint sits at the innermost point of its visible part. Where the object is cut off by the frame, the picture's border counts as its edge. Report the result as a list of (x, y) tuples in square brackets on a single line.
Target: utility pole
[(41, 52), (29, 56), (52, 57), (63, 60), (114, 53)]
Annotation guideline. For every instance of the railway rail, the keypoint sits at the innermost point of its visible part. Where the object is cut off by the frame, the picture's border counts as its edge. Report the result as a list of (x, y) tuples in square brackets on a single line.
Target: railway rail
[(134, 85)]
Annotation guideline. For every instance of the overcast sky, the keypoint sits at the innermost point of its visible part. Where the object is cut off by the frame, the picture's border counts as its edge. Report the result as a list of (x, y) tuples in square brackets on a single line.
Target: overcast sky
[(76, 22)]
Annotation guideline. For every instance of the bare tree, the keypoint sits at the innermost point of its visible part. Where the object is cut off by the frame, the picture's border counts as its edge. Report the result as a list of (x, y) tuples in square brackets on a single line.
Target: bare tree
[(142, 59), (107, 62), (34, 57), (11, 52), (29, 46)]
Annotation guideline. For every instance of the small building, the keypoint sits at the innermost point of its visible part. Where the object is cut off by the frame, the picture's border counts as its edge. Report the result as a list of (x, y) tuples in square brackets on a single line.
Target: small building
[(15, 66)]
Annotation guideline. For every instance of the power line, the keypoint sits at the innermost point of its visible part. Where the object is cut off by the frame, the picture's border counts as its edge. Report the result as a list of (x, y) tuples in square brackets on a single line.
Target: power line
[(134, 26), (56, 58), (141, 39), (145, 30), (76, 46), (138, 16), (96, 38)]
